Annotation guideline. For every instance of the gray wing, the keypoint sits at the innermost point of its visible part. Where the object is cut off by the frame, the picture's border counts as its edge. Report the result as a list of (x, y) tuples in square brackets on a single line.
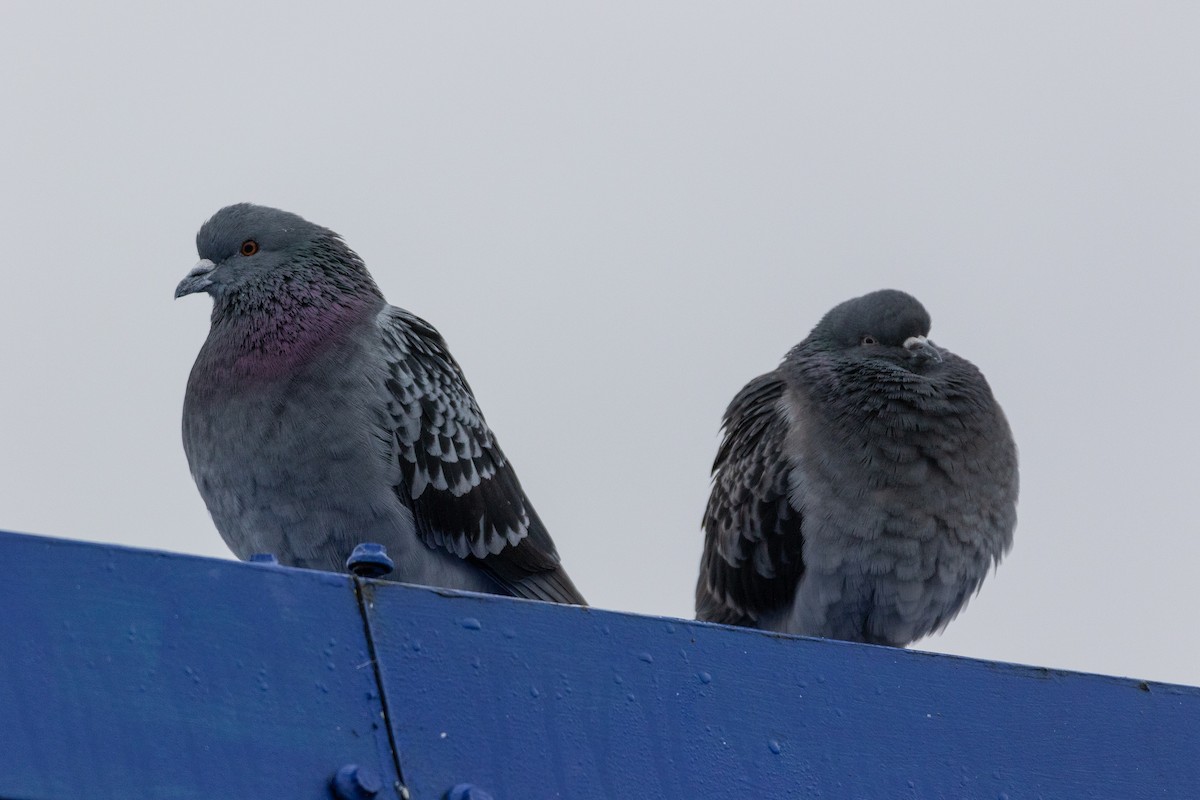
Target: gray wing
[(464, 495), (752, 539)]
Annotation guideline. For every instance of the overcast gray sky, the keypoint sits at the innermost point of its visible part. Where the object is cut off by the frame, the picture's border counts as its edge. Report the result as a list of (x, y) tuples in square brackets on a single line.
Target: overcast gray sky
[(618, 213)]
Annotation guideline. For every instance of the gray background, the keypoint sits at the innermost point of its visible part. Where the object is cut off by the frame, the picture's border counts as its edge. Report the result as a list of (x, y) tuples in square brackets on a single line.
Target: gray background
[(618, 214)]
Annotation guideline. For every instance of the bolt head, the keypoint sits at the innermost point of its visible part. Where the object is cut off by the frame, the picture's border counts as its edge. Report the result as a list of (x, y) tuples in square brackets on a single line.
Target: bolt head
[(353, 782), (369, 560)]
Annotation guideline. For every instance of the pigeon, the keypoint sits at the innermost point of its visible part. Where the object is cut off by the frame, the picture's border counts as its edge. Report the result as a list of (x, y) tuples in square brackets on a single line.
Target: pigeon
[(318, 417), (863, 489)]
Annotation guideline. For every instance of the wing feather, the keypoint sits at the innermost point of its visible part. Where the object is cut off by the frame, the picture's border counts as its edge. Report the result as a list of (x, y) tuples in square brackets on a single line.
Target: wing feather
[(752, 535), (464, 494)]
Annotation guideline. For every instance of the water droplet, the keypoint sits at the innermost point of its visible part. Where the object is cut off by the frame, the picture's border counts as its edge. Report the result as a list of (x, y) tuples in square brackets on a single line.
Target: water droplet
[(774, 747), (533, 692), (705, 677), (649, 659), (471, 624)]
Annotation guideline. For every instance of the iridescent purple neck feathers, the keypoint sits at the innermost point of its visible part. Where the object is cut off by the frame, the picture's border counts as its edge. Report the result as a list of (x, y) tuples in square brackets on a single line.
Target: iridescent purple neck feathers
[(270, 330)]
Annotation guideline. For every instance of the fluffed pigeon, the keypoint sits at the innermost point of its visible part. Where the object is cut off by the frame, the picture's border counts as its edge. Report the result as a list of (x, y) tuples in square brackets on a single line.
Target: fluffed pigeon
[(317, 417), (863, 489)]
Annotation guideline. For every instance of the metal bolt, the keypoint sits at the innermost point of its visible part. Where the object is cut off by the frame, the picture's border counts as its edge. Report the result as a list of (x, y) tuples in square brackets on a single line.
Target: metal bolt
[(467, 791), (264, 558), (369, 560), (353, 782)]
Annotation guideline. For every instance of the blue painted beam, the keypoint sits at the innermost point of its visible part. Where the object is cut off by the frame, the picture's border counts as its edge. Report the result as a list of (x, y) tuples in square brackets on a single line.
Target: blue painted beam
[(529, 700), (135, 674)]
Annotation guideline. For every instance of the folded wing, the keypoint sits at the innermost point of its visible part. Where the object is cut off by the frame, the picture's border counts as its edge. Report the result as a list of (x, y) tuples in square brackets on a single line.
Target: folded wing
[(464, 494), (752, 535)]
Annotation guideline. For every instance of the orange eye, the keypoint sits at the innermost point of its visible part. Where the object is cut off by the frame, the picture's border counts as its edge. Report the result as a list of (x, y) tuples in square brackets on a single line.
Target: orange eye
[(249, 247)]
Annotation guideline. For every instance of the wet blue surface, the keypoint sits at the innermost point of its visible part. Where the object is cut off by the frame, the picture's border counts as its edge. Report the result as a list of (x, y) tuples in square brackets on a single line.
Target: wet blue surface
[(129, 673), (579, 703), (132, 674)]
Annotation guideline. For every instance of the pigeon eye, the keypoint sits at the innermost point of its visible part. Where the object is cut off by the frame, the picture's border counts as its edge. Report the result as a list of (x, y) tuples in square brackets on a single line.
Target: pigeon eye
[(869, 339), (249, 247)]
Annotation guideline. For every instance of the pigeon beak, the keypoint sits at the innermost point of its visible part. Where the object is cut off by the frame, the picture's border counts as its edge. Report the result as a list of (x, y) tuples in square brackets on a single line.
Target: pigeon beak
[(197, 280), (922, 349)]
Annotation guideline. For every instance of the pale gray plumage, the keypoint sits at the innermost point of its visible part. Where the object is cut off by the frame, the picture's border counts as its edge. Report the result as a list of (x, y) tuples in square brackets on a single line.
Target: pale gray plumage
[(863, 489), (317, 417)]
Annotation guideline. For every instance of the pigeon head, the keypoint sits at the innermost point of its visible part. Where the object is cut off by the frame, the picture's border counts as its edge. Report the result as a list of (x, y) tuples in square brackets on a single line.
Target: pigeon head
[(250, 253), (887, 325)]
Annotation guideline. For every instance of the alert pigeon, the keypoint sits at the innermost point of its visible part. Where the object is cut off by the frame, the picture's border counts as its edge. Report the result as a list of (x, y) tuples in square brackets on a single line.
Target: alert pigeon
[(317, 417), (863, 489)]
